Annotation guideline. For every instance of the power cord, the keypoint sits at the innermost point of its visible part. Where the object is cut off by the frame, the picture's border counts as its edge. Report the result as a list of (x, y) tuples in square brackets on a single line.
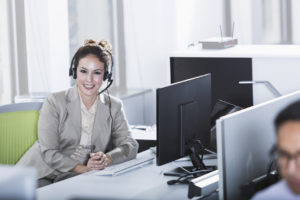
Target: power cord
[(185, 178)]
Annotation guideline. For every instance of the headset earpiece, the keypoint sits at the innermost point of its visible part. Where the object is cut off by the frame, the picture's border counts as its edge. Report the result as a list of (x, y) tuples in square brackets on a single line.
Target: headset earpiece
[(105, 75), (108, 73), (72, 71)]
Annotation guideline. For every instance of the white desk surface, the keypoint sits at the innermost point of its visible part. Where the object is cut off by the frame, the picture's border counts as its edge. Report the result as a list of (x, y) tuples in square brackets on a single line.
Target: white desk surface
[(242, 51), (147, 182), (149, 134)]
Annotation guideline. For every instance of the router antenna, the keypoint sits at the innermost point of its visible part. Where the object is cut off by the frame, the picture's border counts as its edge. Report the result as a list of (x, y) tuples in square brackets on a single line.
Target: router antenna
[(221, 33), (232, 31)]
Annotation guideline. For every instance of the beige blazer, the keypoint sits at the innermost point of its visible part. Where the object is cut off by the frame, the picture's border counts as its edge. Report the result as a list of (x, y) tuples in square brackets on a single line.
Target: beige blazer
[(59, 133)]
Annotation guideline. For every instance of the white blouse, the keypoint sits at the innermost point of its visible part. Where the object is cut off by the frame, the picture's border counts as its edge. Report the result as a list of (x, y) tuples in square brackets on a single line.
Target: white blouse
[(87, 122), (84, 149)]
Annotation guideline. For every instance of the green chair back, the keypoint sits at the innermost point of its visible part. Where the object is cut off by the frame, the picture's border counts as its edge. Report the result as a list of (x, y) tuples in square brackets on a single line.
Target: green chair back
[(18, 132)]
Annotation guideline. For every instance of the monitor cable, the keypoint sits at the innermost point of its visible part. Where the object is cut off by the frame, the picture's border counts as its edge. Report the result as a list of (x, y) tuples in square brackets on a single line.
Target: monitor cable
[(185, 178)]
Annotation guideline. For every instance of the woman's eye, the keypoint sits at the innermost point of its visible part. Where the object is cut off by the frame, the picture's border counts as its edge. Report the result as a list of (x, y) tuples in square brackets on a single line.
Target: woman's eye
[(83, 71), (97, 73)]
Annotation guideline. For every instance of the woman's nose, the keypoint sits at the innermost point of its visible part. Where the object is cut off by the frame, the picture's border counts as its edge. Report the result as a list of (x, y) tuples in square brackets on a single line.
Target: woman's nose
[(89, 77)]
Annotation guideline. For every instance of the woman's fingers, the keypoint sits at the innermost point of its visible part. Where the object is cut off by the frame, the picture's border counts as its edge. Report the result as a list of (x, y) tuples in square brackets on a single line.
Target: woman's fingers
[(93, 166), (101, 157), (97, 161)]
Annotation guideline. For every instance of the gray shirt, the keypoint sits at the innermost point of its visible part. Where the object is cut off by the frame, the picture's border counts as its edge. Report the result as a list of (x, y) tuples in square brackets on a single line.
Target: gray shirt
[(277, 191)]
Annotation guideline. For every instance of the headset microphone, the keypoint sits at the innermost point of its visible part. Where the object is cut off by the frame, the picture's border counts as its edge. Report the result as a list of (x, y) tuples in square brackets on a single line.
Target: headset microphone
[(107, 74), (110, 82)]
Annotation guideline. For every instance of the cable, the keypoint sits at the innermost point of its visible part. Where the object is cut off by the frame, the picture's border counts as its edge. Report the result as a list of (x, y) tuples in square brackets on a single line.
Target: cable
[(107, 86), (112, 120), (185, 178)]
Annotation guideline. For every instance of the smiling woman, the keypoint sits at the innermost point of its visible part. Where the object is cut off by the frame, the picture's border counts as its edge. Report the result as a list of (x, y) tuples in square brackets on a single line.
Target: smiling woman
[(80, 130), (89, 79)]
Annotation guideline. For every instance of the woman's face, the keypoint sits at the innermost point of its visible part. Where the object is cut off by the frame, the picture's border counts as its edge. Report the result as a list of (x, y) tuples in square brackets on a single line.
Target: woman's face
[(90, 73)]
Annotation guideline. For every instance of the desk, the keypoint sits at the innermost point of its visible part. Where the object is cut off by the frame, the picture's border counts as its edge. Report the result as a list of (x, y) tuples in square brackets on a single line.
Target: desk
[(145, 138), (147, 182)]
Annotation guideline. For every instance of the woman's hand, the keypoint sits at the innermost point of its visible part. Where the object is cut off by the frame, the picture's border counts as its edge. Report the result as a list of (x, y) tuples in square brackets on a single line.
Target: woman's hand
[(80, 169), (98, 161)]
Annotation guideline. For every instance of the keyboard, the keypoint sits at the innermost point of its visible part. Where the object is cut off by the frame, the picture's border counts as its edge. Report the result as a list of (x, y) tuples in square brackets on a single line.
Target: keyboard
[(126, 166)]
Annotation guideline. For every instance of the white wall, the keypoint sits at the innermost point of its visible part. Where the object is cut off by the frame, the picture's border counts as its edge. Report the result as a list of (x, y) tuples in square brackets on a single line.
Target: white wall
[(282, 73), (150, 34), (197, 19), (155, 28), (295, 21)]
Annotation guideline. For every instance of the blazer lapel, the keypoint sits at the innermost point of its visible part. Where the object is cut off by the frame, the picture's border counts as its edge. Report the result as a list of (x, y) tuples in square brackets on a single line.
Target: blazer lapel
[(101, 129), (73, 109)]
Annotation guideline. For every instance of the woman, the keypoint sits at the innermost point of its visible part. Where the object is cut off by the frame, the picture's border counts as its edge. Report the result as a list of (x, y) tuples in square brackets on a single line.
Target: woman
[(79, 130)]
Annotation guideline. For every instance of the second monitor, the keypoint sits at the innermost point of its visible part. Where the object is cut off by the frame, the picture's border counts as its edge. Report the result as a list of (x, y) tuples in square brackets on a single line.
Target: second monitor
[(183, 117), (226, 72)]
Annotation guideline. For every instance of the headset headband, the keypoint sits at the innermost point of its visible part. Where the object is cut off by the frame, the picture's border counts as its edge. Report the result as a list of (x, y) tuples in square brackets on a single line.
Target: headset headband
[(107, 75)]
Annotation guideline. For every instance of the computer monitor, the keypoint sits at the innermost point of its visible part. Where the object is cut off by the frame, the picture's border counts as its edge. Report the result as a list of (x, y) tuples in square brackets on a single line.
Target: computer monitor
[(244, 141), (221, 108), (225, 76), (183, 117), (18, 182)]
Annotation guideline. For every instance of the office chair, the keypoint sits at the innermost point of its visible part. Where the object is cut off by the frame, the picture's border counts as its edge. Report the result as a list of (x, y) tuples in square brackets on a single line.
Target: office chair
[(18, 130)]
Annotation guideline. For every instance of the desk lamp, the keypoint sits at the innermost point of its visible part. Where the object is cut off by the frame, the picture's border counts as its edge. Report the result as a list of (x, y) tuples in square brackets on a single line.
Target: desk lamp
[(269, 85)]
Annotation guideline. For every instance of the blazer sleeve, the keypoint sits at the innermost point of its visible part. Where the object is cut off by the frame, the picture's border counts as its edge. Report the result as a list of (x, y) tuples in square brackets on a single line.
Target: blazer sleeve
[(48, 137), (125, 146)]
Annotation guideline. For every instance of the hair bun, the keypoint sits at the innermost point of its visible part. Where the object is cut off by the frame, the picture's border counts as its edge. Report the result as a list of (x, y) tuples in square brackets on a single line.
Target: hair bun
[(106, 45), (103, 43), (90, 42)]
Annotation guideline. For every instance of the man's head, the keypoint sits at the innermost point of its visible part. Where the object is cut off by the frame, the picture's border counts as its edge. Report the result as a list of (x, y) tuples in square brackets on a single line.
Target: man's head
[(288, 145)]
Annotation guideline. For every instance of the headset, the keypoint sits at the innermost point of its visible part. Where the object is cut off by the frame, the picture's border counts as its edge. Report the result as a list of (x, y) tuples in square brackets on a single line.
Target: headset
[(107, 74)]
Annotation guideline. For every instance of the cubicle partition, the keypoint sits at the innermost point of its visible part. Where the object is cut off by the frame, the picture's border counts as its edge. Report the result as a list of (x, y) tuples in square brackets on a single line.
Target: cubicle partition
[(244, 140)]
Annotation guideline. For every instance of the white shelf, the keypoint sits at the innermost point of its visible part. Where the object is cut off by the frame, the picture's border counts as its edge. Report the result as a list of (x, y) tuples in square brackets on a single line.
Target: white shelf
[(243, 51)]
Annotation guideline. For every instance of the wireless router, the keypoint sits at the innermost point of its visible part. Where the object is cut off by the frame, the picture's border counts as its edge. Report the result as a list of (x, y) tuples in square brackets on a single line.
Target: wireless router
[(219, 42)]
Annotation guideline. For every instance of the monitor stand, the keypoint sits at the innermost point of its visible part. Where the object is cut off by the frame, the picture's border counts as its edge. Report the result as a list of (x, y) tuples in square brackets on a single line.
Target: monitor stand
[(198, 168)]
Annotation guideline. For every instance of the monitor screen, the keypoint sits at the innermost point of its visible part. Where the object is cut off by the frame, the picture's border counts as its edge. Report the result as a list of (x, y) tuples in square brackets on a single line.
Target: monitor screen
[(183, 116), (222, 108)]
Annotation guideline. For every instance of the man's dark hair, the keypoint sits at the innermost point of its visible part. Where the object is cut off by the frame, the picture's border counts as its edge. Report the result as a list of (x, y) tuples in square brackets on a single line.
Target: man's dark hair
[(290, 113)]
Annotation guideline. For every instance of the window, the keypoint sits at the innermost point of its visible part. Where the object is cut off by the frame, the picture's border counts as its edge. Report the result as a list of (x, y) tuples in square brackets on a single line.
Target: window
[(5, 70)]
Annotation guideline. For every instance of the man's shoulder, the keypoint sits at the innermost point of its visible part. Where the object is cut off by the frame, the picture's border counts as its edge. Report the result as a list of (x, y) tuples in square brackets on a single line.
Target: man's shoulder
[(278, 190)]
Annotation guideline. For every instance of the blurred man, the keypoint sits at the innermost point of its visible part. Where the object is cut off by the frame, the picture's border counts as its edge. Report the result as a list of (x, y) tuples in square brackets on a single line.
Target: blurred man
[(287, 125)]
